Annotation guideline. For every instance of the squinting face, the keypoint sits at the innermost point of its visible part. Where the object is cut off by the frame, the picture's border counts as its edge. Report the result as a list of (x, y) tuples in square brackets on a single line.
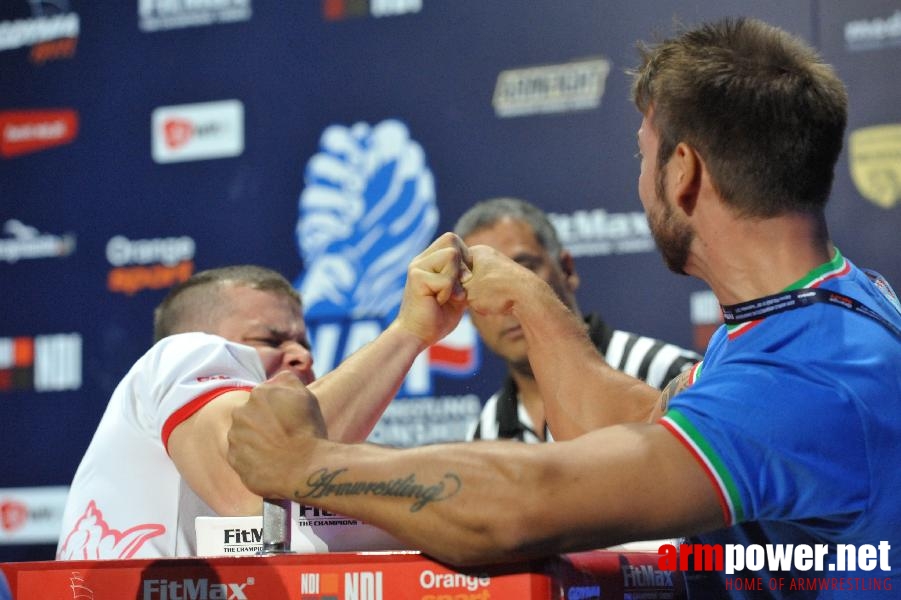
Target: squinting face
[(273, 324), (672, 235), (516, 239)]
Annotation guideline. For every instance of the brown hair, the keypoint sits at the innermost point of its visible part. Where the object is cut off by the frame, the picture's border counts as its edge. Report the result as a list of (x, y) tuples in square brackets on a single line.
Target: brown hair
[(765, 113), (196, 304)]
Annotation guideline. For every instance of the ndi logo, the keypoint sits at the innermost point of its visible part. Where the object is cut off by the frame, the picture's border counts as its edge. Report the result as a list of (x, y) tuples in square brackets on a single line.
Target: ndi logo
[(358, 585)]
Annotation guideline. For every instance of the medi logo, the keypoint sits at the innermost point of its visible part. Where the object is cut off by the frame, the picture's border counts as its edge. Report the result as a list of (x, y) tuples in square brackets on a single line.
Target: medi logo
[(27, 131), (51, 31), (199, 131)]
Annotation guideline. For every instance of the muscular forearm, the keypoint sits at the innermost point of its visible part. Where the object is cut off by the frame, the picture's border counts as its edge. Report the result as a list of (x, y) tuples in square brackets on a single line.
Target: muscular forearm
[(489, 502), (440, 510), (480, 502), (356, 393), (581, 391)]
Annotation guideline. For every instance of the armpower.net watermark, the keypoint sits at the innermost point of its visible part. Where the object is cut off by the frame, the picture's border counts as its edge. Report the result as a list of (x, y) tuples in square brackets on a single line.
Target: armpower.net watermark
[(855, 567)]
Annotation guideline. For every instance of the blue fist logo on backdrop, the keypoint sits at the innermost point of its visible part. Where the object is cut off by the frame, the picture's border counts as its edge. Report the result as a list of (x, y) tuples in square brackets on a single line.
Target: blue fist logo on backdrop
[(367, 208)]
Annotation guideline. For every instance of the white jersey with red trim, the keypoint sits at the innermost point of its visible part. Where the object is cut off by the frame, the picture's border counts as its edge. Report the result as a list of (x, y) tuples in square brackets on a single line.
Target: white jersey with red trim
[(127, 499)]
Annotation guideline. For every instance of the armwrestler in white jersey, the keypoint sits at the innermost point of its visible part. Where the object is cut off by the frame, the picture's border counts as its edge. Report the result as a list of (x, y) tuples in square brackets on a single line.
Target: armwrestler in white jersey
[(158, 458)]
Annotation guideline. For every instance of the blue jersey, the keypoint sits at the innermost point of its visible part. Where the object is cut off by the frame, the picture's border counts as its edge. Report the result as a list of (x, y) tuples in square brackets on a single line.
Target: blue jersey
[(796, 418)]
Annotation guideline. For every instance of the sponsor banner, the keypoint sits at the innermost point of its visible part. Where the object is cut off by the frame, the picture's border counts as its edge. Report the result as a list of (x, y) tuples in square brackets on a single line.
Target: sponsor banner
[(597, 575), (599, 233), (313, 530), (199, 131), (31, 515), (339, 10), (27, 243), (426, 420), (706, 315), (577, 85), (148, 264), (43, 363), (873, 34), (874, 159), (51, 36), (160, 15), (27, 131), (368, 207)]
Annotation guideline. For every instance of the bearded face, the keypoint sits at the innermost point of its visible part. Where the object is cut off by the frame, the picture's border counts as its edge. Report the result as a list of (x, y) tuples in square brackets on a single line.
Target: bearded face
[(672, 235)]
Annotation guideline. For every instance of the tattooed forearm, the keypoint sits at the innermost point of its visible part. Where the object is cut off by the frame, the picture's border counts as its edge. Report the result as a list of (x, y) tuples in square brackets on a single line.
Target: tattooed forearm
[(322, 484)]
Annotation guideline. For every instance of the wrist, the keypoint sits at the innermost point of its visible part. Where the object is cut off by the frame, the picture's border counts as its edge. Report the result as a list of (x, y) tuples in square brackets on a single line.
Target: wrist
[(403, 338)]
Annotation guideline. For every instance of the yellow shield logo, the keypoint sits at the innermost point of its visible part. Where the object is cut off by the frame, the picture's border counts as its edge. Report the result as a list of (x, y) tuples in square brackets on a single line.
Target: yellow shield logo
[(875, 163)]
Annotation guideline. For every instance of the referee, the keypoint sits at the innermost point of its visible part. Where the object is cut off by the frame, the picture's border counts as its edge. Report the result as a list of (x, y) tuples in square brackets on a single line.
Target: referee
[(523, 232)]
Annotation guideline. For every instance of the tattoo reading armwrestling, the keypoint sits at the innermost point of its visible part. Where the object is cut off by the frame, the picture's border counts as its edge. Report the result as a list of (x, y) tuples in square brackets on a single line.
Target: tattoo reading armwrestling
[(322, 484)]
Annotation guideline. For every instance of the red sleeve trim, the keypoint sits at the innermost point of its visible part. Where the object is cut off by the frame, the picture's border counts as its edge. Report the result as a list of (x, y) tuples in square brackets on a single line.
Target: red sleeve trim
[(182, 414), (724, 503)]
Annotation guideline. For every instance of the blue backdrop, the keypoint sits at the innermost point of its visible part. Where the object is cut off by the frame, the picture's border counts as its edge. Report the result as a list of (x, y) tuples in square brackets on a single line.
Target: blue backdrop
[(143, 140)]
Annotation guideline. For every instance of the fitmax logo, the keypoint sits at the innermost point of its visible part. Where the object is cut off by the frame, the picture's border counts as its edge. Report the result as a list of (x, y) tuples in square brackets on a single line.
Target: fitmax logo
[(194, 589), (243, 536), (646, 576)]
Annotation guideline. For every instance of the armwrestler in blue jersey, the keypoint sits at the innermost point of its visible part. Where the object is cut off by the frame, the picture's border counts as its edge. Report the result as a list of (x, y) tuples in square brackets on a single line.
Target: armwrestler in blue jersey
[(789, 432)]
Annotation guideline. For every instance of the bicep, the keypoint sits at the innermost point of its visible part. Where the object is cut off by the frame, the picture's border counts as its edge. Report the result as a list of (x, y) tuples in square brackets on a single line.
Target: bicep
[(198, 447), (627, 483)]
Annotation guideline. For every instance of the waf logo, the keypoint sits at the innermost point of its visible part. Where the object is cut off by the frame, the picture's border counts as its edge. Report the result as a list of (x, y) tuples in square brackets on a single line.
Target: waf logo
[(92, 538), (27, 131), (359, 585), (44, 363), (368, 207), (13, 515), (200, 131)]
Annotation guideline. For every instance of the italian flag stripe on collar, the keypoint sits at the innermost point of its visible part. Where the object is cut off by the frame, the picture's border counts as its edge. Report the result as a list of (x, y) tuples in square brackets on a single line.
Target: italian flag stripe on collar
[(836, 267), (685, 432)]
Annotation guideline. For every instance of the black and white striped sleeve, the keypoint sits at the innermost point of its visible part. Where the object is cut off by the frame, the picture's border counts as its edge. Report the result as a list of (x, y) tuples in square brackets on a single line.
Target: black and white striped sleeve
[(654, 361)]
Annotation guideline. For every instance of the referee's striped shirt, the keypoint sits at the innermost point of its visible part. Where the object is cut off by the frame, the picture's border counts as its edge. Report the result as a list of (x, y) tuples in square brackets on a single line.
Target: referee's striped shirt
[(654, 361)]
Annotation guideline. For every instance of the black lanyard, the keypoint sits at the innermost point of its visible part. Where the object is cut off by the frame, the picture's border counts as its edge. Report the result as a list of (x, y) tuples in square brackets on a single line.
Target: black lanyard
[(760, 308)]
